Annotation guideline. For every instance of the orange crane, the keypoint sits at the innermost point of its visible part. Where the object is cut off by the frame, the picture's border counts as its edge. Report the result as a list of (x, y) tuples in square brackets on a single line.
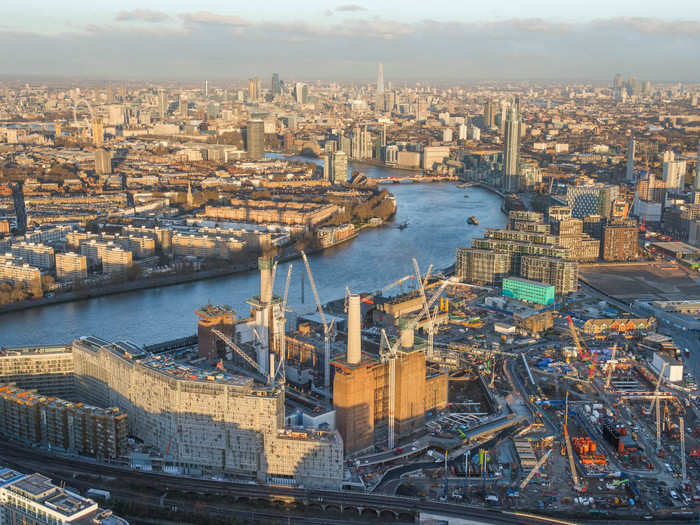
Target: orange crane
[(580, 347)]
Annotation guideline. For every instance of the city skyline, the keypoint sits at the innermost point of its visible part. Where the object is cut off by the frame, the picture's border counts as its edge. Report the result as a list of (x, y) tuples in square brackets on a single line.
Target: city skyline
[(345, 41)]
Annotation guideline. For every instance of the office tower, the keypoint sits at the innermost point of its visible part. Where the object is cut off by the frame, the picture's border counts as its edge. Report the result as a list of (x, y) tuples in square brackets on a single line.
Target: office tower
[(103, 162), (255, 139), (674, 172), (206, 88), (503, 117), (182, 106), (630, 160), (489, 114), (20, 208), (252, 89), (109, 95), (162, 104), (591, 199), (511, 155), (696, 182), (276, 88), (617, 82), (301, 93), (98, 134), (380, 78), (122, 92), (59, 130), (621, 241)]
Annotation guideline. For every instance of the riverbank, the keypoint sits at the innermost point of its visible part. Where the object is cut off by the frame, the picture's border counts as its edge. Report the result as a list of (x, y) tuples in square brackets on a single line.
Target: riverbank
[(168, 280), (435, 213), (128, 286)]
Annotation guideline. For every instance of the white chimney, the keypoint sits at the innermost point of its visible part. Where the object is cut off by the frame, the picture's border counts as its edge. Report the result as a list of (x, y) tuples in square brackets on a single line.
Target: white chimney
[(354, 330), (265, 267)]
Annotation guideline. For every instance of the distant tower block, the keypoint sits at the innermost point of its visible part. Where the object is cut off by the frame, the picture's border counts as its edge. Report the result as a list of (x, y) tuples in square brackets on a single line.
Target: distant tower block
[(221, 318), (354, 330)]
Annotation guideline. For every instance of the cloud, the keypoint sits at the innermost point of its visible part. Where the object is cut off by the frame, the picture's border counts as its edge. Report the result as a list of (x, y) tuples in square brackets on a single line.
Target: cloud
[(209, 44), (142, 15), (350, 8), (650, 26), (207, 18)]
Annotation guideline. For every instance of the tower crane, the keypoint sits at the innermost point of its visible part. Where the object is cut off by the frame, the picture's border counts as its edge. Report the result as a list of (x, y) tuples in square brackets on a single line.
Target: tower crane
[(572, 465), (580, 347), (389, 353), (611, 367), (684, 472), (229, 342), (658, 386), (280, 322), (535, 469), (398, 282), (427, 304), (328, 328)]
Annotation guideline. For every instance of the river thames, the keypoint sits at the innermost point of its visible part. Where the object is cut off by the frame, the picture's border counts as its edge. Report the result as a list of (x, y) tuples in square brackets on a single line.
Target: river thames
[(436, 216)]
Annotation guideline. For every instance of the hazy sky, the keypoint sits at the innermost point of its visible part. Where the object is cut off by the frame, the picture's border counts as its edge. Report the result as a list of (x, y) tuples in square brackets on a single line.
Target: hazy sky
[(310, 39)]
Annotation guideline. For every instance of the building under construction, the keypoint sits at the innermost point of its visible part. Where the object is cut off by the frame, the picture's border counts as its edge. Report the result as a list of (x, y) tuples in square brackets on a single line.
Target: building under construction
[(362, 388)]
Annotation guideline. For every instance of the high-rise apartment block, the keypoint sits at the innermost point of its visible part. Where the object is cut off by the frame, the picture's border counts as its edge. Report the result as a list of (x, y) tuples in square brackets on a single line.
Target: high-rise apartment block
[(335, 167), (255, 139), (673, 172), (21, 273), (560, 273), (34, 254), (71, 267), (511, 153), (79, 428), (46, 369), (103, 162), (116, 261), (621, 241)]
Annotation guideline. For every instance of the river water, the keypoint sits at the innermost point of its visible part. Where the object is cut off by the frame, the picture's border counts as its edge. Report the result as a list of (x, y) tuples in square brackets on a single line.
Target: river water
[(436, 216)]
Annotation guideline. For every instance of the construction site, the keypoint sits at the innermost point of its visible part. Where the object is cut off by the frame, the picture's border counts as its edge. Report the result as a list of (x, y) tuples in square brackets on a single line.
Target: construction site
[(430, 388)]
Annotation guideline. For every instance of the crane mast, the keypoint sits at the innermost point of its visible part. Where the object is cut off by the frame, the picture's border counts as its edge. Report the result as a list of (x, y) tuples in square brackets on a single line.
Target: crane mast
[(326, 328)]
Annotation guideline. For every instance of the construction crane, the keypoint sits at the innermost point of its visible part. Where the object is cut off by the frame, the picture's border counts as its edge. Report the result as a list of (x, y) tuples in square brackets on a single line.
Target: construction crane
[(580, 347), (535, 469), (280, 321), (572, 465), (427, 304), (684, 472), (658, 386), (327, 328), (611, 367), (397, 283), (239, 351), (389, 354)]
